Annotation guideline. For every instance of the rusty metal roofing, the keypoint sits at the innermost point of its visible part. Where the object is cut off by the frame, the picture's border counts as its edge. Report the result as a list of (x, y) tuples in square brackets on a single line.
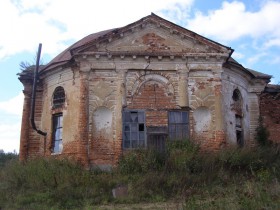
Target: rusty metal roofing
[(253, 73), (66, 56), (259, 74), (272, 88)]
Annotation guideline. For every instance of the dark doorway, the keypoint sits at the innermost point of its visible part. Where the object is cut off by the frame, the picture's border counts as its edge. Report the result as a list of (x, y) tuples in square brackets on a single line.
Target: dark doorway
[(239, 131), (157, 137), (239, 138)]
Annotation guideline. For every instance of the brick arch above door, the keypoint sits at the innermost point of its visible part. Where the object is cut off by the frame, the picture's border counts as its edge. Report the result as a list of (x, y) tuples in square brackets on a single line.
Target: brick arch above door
[(141, 80)]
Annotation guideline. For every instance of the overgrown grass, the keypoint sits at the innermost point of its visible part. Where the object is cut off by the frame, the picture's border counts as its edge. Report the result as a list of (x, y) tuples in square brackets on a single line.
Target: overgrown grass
[(5, 158), (51, 182), (231, 179)]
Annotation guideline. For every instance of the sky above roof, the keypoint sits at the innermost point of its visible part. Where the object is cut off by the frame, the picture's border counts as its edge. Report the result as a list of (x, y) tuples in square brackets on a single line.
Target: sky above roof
[(250, 27)]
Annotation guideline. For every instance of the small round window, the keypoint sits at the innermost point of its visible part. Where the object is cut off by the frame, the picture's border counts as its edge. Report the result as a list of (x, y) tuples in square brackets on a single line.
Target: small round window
[(58, 97)]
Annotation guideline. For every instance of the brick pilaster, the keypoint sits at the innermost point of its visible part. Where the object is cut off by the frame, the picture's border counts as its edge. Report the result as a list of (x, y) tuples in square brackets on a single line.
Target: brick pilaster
[(120, 102), (83, 120), (25, 123), (183, 89)]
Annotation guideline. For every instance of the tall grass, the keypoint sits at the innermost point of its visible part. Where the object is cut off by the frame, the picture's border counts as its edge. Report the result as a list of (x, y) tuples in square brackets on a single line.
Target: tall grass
[(52, 182), (5, 158), (237, 178)]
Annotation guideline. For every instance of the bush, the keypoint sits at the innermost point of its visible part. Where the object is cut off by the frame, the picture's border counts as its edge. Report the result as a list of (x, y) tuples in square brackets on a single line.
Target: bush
[(141, 161), (262, 134), (60, 183), (6, 158), (181, 155), (179, 172)]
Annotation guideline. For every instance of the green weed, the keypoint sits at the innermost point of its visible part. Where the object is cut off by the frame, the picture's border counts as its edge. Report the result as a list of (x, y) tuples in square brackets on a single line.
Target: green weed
[(233, 178)]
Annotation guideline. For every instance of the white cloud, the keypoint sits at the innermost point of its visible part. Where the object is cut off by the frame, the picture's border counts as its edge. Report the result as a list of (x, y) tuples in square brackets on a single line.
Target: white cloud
[(254, 59), (275, 60), (13, 106), (272, 42), (52, 22), (10, 112), (273, 81), (9, 136), (232, 21), (237, 55)]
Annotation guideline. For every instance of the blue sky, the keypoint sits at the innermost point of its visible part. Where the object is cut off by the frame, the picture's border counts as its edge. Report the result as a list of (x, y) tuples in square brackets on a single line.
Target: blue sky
[(250, 27)]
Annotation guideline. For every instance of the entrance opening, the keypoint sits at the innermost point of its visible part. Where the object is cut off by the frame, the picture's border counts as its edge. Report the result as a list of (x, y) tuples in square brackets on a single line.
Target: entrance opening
[(239, 138), (157, 136), (239, 131)]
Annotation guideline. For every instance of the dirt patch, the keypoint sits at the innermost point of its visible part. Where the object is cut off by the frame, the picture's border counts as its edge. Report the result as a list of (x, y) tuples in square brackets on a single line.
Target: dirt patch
[(139, 206)]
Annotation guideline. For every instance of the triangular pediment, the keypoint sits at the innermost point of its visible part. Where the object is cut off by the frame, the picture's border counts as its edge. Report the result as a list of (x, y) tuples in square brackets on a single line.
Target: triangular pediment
[(152, 34)]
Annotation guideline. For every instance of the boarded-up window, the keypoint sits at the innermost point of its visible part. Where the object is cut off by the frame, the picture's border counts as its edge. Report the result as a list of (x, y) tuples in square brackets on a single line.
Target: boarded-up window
[(134, 129), (57, 133), (178, 125)]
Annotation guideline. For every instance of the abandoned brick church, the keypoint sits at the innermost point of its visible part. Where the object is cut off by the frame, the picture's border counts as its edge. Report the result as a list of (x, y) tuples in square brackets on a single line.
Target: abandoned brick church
[(139, 85)]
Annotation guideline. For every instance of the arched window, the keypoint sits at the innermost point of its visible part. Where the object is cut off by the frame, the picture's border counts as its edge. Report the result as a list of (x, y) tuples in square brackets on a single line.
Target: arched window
[(237, 102), (237, 105), (236, 96), (58, 97)]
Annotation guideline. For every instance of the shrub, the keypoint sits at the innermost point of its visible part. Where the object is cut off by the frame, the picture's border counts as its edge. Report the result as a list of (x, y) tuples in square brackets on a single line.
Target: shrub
[(60, 183), (179, 172), (262, 134), (6, 158), (141, 161), (181, 155)]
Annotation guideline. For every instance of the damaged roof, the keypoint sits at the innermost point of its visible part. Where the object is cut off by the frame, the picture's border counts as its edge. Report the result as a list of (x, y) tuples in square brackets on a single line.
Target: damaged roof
[(272, 88), (66, 56), (252, 72)]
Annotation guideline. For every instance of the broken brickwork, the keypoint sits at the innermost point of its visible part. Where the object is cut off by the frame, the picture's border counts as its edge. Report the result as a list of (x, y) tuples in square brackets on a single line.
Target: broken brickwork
[(169, 80), (269, 107)]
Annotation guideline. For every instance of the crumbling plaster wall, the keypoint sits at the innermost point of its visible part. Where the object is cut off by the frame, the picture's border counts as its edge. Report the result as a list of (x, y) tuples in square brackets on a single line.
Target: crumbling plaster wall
[(205, 97), (249, 89), (153, 91), (102, 101), (151, 37), (114, 90), (119, 83), (68, 79)]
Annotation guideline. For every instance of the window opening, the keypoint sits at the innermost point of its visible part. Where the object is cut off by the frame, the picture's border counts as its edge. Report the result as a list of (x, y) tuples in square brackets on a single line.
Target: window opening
[(57, 133), (236, 96), (237, 101), (239, 138), (58, 97), (178, 125), (239, 132), (134, 134)]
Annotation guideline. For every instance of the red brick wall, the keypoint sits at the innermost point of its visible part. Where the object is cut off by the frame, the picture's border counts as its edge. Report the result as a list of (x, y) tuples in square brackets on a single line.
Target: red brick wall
[(270, 112), (31, 143), (102, 151), (24, 136), (35, 145), (152, 96), (83, 121)]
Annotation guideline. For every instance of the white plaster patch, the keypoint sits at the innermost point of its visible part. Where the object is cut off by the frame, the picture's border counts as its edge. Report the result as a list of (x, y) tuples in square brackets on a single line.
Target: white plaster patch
[(102, 118), (202, 118)]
